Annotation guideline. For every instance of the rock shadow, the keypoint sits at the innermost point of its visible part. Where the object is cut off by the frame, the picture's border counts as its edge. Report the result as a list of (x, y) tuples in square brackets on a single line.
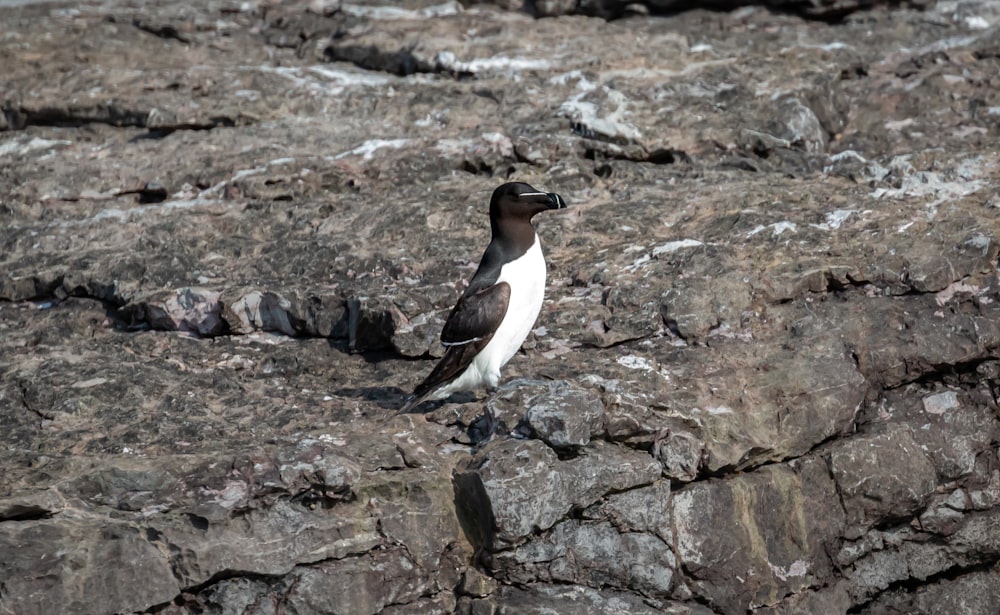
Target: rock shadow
[(388, 398), (474, 510)]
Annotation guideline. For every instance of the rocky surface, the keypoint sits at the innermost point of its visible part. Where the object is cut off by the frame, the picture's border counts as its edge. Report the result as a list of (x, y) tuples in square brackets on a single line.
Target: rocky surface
[(765, 378)]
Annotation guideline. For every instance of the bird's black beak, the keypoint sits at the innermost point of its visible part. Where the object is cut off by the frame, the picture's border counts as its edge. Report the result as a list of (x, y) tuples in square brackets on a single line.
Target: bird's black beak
[(556, 201)]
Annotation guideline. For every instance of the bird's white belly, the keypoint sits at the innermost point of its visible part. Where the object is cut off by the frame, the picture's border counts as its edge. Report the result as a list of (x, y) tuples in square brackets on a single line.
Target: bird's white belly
[(526, 277)]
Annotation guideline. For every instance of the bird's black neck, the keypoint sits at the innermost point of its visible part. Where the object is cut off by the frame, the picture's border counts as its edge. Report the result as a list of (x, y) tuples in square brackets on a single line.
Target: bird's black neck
[(513, 236)]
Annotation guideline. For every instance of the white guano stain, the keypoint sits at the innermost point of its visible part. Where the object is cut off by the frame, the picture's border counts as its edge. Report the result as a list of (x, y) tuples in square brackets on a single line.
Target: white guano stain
[(390, 12), (495, 64), (86, 384), (777, 228), (24, 146), (632, 361), (834, 219), (656, 251), (367, 149), (673, 246), (798, 568)]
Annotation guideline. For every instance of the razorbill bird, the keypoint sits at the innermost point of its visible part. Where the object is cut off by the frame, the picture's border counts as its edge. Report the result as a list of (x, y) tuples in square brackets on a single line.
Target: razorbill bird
[(498, 309)]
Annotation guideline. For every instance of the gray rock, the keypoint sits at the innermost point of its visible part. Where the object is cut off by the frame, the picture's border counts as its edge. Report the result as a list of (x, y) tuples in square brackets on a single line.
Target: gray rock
[(828, 9), (38, 580), (824, 600), (475, 583), (32, 505), (594, 554), (363, 584), (972, 593), (257, 311), (765, 371), (193, 310), (513, 488), (235, 596), (680, 454), (906, 476), (692, 313), (564, 598), (563, 416), (904, 555), (802, 502), (643, 509), (441, 603)]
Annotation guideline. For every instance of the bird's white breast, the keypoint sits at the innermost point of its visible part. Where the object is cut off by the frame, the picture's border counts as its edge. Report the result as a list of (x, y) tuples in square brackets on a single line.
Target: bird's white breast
[(526, 277)]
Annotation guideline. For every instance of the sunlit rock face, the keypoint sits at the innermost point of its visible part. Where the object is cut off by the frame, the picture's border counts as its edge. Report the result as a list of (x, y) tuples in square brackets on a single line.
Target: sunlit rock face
[(764, 378)]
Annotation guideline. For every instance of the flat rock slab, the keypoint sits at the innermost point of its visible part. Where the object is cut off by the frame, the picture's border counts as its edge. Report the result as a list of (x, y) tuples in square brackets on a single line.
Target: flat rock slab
[(764, 379)]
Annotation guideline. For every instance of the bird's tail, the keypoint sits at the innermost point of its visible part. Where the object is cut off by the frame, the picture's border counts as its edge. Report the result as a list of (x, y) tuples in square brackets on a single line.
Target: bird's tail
[(414, 401)]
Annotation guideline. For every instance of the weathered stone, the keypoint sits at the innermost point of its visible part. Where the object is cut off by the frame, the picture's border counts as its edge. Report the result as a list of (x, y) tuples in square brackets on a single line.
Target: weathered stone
[(32, 505), (957, 438), (828, 9), (74, 578), (693, 313), (882, 476), (235, 596), (777, 275), (826, 600), (476, 584), (441, 603), (777, 521), (564, 598), (709, 420), (561, 415), (365, 584), (680, 454), (972, 593), (642, 520), (418, 336), (945, 512), (192, 310), (315, 464), (644, 509), (903, 352), (513, 488), (941, 402), (257, 311), (594, 554), (905, 555)]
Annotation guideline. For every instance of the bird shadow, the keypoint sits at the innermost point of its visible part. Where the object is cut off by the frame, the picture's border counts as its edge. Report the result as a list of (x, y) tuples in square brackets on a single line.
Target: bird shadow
[(431, 406)]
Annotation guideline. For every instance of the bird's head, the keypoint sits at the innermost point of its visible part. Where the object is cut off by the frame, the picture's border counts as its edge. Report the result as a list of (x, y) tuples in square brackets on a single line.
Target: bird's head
[(517, 200)]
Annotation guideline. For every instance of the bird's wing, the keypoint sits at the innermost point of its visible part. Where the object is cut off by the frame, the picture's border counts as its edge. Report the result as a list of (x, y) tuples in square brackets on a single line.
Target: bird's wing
[(476, 316), (455, 360), (468, 330)]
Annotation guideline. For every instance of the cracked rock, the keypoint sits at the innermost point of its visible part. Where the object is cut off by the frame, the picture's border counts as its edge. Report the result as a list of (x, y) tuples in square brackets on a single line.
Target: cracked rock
[(764, 378), (193, 310), (906, 477), (561, 415), (513, 487)]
